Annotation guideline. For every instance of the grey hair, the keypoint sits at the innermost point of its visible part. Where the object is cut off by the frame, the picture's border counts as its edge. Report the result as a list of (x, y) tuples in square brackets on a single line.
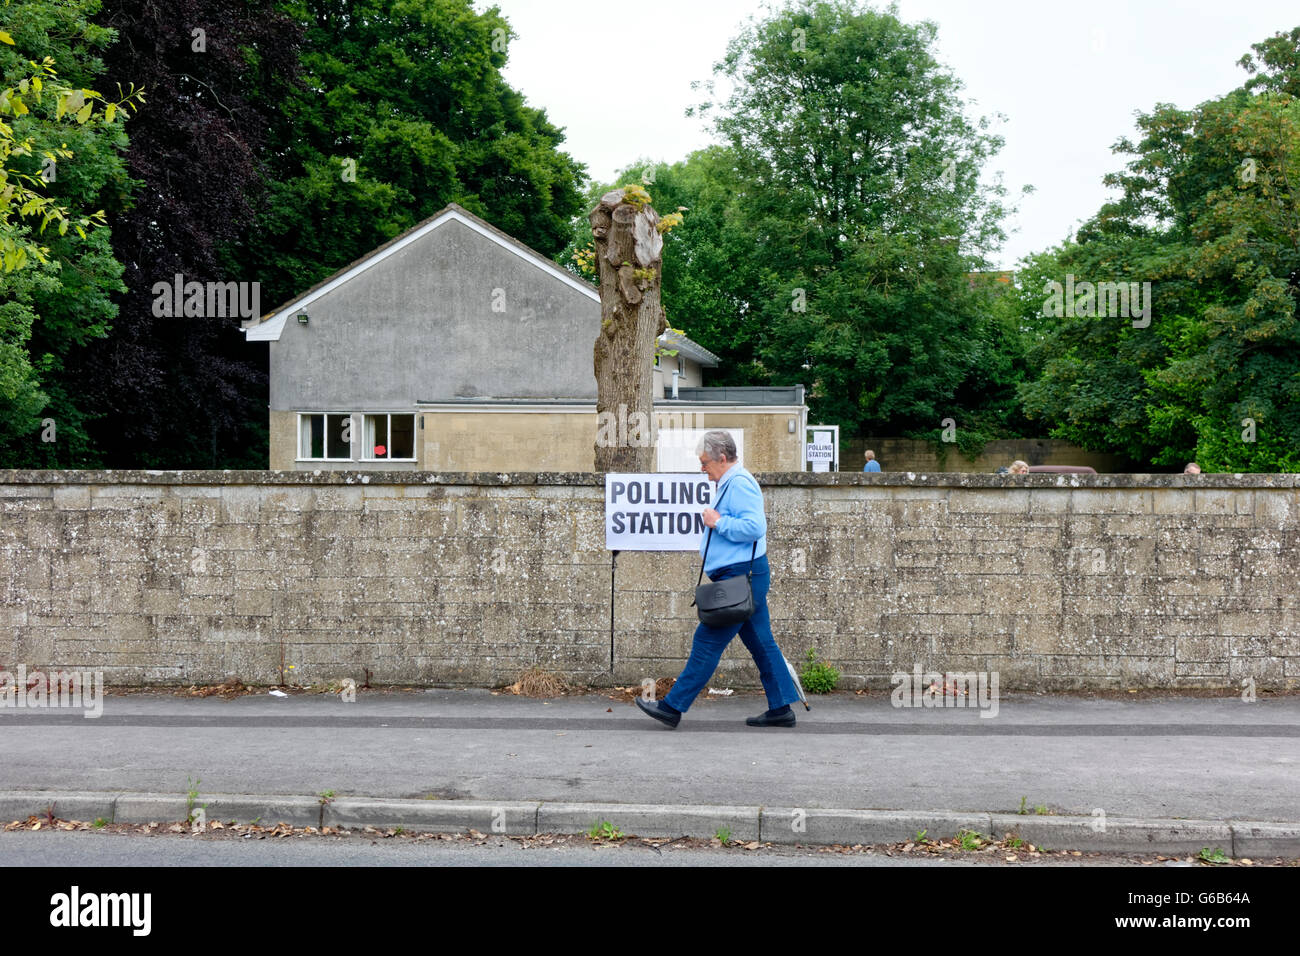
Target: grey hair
[(717, 445)]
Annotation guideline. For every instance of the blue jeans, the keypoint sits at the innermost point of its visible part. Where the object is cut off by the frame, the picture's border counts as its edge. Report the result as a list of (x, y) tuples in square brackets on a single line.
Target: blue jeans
[(710, 642)]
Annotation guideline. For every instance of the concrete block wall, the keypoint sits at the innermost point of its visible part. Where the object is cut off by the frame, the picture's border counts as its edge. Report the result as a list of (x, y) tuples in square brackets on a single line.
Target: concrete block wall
[(440, 578)]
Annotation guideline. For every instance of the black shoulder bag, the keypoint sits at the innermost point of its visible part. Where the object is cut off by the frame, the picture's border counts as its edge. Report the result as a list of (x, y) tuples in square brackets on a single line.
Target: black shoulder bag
[(720, 603)]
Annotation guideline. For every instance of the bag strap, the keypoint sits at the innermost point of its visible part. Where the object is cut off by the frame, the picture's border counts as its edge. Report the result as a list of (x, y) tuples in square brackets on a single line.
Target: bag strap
[(707, 541)]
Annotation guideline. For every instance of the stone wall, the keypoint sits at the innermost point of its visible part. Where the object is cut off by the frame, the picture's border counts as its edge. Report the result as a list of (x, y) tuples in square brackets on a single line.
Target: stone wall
[(435, 578)]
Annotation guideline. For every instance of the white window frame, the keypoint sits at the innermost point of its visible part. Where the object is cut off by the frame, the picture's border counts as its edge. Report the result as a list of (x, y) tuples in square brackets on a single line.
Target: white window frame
[(367, 451), (302, 452)]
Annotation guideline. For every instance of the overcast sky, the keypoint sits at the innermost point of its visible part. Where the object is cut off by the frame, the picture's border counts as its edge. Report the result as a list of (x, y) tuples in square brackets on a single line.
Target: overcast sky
[(1068, 76)]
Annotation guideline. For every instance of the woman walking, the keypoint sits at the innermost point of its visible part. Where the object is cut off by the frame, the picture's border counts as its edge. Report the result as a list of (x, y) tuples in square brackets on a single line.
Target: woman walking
[(738, 535)]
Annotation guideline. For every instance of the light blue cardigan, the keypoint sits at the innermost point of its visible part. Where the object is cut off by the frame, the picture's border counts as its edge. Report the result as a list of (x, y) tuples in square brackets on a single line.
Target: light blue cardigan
[(742, 523)]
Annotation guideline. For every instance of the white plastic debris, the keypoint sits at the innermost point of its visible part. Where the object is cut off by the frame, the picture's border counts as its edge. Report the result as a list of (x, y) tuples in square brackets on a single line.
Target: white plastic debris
[(277, 693), (721, 693)]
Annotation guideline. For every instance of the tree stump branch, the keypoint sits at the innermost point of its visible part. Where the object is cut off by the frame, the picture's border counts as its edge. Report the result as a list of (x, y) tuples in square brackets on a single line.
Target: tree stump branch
[(632, 319)]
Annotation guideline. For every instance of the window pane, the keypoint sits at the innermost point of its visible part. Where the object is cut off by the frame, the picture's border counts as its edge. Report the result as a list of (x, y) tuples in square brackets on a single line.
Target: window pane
[(403, 445), (377, 436), (314, 435), (339, 430)]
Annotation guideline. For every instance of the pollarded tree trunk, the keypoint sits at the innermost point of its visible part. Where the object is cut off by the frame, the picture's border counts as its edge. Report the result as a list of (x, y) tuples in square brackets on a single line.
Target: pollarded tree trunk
[(628, 256)]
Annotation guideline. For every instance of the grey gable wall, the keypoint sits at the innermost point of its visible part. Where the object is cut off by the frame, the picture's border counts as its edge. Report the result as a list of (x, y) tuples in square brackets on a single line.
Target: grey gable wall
[(419, 326)]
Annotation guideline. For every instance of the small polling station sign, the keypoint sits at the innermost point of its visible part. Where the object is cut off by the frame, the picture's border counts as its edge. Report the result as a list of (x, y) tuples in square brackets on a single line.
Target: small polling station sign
[(820, 450), (656, 512), (821, 447)]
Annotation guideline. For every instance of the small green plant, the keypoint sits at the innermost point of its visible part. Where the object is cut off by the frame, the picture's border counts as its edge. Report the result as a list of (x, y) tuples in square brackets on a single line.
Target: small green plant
[(191, 795), (920, 836), (817, 676), (605, 831), (1022, 809), (1042, 810), (667, 223), (398, 831), (1213, 857), (635, 195), (723, 834), (99, 823), (1014, 842), (969, 839), (325, 796)]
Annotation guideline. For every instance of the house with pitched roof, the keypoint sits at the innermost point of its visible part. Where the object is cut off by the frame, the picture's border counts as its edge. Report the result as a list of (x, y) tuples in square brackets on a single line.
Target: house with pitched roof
[(454, 347)]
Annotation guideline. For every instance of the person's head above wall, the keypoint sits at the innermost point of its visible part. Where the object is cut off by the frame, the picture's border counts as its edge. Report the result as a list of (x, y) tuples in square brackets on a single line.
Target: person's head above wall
[(1019, 467), (717, 445), (1192, 468), (717, 453)]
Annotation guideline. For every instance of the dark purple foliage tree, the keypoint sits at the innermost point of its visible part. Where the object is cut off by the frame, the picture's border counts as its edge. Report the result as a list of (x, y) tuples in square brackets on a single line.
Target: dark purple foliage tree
[(187, 391)]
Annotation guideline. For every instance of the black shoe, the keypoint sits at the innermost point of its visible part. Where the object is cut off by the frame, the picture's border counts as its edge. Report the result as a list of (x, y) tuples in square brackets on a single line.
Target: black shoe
[(659, 712), (767, 719)]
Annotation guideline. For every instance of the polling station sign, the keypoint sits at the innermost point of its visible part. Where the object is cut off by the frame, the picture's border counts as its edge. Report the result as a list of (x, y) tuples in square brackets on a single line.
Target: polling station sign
[(656, 512), (819, 451)]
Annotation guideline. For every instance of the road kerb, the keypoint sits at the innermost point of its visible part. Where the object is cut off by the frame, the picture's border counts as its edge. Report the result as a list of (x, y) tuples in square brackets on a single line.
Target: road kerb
[(506, 818), (778, 825), (651, 820), (821, 827)]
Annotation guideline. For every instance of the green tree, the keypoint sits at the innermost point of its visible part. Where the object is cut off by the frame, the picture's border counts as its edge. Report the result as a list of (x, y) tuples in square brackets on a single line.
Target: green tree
[(829, 238), (1208, 215), (60, 154), (403, 109)]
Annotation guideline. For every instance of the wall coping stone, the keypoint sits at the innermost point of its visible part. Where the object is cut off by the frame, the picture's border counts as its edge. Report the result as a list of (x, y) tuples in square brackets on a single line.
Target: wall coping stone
[(841, 479)]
